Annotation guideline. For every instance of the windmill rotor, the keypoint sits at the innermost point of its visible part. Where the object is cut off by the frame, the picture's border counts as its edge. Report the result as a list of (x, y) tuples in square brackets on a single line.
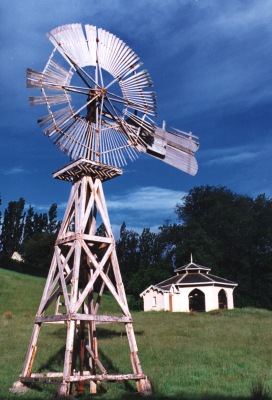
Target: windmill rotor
[(109, 84), (100, 103)]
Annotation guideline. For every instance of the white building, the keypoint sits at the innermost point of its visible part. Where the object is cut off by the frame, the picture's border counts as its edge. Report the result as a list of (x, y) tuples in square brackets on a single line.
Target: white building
[(193, 288)]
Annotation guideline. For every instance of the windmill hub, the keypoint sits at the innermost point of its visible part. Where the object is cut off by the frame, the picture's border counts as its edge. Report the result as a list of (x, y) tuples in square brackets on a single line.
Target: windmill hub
[(103, 91)]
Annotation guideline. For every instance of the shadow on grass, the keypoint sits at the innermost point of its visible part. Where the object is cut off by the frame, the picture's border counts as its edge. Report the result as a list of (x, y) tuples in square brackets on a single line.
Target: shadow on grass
[(56, 363), (126, 389), (130, 394), (108, 333), (185, 397)]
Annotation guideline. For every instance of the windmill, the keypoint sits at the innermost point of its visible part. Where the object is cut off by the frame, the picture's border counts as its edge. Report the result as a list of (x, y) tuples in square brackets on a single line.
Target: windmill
[(100, 109)]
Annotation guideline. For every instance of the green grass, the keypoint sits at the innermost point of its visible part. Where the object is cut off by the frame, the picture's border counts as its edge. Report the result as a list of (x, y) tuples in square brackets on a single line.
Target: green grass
[(215, 356)]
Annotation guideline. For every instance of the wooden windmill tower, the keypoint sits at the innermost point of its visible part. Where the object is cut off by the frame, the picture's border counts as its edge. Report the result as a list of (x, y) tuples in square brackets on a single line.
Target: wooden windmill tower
[(99, 109)]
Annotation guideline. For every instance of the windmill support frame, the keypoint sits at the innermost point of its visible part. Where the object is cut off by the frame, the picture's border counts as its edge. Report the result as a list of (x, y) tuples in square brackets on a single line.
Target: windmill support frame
[(83, 261)]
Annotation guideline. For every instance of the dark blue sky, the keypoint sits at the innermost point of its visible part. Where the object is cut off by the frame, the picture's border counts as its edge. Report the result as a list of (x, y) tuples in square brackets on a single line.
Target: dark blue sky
[(210, 62)]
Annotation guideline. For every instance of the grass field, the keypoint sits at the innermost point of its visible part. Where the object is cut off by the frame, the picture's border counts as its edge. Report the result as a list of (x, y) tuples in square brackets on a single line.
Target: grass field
[(215, 356)]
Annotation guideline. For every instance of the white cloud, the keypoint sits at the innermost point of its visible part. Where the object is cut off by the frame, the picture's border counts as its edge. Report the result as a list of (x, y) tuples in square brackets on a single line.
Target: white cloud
[(144, 207), (14, 171), (234, 155), (149, 198), (232, 158)]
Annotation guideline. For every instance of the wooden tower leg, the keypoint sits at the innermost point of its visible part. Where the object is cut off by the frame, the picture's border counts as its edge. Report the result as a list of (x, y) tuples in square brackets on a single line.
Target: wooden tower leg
[(64, 388), (83, 260)]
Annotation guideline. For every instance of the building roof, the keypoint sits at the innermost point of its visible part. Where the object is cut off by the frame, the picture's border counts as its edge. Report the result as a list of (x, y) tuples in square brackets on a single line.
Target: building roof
[(191, 267), (154, 287), (191, 275), (194, 279)]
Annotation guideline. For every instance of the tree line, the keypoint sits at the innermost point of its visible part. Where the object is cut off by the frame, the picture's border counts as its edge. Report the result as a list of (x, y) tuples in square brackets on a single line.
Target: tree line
[(225, 231), (29, 233)]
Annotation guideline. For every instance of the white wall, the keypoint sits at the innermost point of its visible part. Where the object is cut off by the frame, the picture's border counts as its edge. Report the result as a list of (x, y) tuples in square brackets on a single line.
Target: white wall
[(211, 297), (149, 303), (180, 301)]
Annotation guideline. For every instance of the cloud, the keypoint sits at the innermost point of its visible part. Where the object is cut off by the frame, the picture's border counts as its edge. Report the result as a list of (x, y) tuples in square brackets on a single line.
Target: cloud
[(221, 59), (14, 171), (236, 155), (144, 207), (149, 198), (223, 158), (141, 207)]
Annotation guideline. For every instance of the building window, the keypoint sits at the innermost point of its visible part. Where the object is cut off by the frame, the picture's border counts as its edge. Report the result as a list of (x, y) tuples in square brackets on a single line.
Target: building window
[(154, 301)]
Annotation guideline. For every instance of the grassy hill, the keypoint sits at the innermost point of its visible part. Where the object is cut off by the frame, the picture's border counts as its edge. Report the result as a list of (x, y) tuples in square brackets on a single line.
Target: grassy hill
[(219, 355)]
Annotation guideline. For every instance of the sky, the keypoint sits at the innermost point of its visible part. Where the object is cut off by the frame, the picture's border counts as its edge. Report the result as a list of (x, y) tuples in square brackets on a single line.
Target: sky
[(210, 63)]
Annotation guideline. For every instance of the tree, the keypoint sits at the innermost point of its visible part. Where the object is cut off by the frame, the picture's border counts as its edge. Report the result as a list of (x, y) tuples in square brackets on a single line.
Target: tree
[(101, 230), (142, 262), (52, 224), (13, 227), (0, 225), (127, 250), (233, 234), (29, 228), (38, 250), (40, 223), (261, 283), (40, 235)]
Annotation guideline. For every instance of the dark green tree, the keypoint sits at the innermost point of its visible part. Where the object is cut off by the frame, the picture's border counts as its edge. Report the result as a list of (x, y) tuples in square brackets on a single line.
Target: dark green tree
[(38, 250), (101, 230), (142, 262), (0, 225), (261, 283), (52, 223), (29, 224), (41, 235), (13, 227), (40, 223), (127, 248), (232, 234)]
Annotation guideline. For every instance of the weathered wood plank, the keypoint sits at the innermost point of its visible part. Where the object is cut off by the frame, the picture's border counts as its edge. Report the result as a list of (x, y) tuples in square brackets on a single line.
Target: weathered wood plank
[(82, 317), (47, 378), (97, 361), (102, 318)]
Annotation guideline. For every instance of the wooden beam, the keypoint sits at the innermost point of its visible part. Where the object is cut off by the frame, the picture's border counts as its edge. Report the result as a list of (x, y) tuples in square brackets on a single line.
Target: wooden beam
[(43, 378), (100, 319)]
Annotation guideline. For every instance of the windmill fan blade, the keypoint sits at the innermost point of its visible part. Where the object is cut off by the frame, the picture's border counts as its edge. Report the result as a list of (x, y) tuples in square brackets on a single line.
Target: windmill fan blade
[(54, 121), (50, 100), (114, 147), (54, 77), (71, 42), (140, 100), (92, 43), (114, 55), (74, 139)]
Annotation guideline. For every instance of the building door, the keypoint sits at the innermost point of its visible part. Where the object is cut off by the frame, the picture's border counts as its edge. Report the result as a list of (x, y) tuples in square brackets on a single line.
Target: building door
[(170, 302), (222, 299), (197, 300)]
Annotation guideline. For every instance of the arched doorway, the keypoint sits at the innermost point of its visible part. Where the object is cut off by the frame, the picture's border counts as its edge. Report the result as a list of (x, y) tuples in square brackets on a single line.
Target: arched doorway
[(196, 300), (222, 299)]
